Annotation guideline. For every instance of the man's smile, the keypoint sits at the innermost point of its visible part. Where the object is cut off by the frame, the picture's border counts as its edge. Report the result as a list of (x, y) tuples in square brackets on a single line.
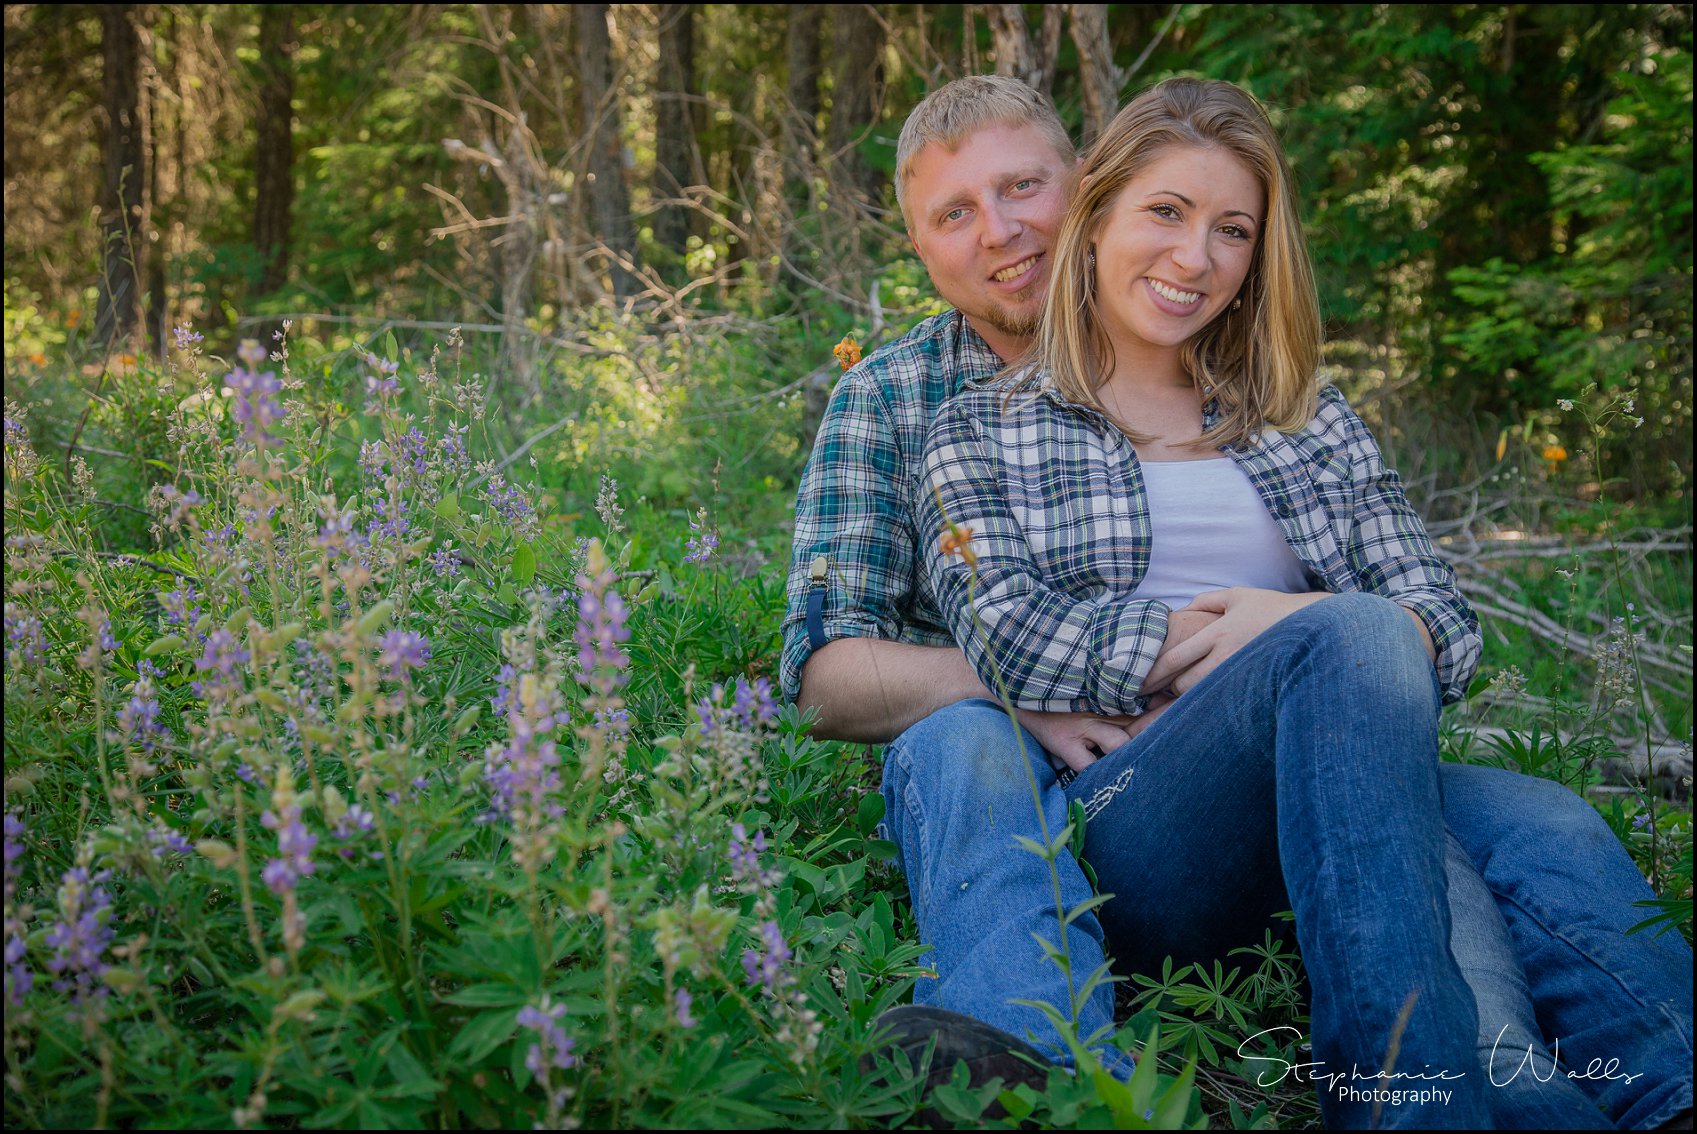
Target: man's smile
[(1014, 271)]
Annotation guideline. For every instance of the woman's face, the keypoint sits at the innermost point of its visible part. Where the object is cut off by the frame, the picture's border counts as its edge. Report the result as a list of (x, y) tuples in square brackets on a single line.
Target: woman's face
[(1174, 249)]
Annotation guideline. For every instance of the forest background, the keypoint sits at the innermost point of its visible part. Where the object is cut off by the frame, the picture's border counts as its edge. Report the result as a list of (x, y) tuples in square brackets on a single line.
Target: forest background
[(638, 231)]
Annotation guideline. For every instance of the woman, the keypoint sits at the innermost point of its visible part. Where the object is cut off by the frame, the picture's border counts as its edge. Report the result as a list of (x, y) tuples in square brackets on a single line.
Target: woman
[(1166, 445)]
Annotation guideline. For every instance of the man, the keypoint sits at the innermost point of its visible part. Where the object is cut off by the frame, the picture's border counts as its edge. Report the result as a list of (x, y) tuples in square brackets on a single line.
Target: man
[(983, 176)]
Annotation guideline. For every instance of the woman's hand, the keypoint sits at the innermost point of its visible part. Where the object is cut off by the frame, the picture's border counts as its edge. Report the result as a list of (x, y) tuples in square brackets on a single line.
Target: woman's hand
[(1243, 612)]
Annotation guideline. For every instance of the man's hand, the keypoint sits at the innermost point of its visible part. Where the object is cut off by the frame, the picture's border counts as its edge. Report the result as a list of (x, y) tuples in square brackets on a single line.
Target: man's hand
[(1240, 613), (1079, 739)]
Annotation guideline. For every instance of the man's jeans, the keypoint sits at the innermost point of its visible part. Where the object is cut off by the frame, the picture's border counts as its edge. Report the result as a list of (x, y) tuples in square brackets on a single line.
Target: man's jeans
[(1302, 774)]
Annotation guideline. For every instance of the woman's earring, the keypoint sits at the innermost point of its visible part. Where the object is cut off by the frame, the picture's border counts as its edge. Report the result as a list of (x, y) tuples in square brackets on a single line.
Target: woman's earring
[(1092, 260), (1236, 303)]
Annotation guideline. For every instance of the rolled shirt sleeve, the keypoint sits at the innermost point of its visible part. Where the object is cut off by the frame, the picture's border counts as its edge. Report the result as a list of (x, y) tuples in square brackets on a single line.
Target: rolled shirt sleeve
[(1390, 554), (851, 508)]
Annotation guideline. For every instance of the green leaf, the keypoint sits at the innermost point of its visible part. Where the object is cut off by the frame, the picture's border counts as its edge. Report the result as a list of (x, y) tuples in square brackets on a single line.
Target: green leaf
[(804, 872), (871, 812), (1075, 821), (411, 1079), (883, 849), (449, 506), (496, 994), (391, 348), (524, 564), (482, 1035), (167, 644)]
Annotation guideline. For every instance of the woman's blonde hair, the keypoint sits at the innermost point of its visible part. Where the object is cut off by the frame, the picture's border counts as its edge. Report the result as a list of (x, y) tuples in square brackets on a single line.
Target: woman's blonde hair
[(1258, 359)]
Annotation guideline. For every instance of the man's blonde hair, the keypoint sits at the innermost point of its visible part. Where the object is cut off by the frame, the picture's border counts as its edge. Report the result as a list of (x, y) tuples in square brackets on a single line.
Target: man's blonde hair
[(954, 111), (1260, 357)]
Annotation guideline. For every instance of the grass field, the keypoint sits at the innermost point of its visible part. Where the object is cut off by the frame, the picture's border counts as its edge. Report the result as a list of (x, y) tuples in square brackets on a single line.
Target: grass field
[(385, 747)]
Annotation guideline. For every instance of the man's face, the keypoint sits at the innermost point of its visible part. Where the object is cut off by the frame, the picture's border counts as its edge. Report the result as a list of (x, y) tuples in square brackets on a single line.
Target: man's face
[(983, 218)]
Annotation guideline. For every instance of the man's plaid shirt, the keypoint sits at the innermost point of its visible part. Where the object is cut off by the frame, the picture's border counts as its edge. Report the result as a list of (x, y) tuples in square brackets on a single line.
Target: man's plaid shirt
[(856, 506), (1061, 534)]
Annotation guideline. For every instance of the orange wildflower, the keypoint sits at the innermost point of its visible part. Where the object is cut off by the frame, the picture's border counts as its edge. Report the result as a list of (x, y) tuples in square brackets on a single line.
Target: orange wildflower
[(847, 352), (957, 540), (1555, 454)]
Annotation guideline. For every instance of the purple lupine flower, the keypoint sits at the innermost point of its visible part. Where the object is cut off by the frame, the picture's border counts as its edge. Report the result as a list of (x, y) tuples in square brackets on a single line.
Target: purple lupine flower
[(1641, 822), (510, 503), (180, 606), (601, 617), (15, 831), (294, 846), (681, 1001), (81, 935), (103, 633), (337, 535), (444, 562), (765, 966), (381, 382), (455, 459), (19, 978), (753, 703), (223, 653), (615, 722), (745, 853), (26, 639), (372, 455), (389, 524), (184, 337), (356, 820), (703, 540), (178, 504), (554, 1049), (402, 652), (506, 679), (139, 718), (522, 774), (163, 841), (414, 448), (256, 406)]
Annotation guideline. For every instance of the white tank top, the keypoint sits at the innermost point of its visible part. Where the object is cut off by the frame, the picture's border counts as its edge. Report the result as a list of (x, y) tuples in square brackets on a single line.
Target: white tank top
[(1210, 531)]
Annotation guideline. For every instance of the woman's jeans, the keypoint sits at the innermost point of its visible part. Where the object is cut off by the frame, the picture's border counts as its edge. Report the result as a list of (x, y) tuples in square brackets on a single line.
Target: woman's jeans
[(1302, 774)]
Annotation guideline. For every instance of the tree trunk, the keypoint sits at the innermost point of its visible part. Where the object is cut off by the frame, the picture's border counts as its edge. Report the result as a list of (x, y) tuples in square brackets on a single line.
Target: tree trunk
[(801, 128), (118, 311), (1099, 80), (1016, 53), (598, 108), (801, 86), (158, 303), (677, 159), (274, 148), (857, 48)]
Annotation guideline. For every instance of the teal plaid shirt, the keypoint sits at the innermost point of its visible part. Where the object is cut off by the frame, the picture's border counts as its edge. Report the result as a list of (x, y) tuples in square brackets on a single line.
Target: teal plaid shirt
[(857, 503), (1061, 532)]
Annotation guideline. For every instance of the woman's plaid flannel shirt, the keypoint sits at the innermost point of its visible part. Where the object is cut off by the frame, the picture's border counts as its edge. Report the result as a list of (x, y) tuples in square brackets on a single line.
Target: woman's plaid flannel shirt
[(1061, 536)]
